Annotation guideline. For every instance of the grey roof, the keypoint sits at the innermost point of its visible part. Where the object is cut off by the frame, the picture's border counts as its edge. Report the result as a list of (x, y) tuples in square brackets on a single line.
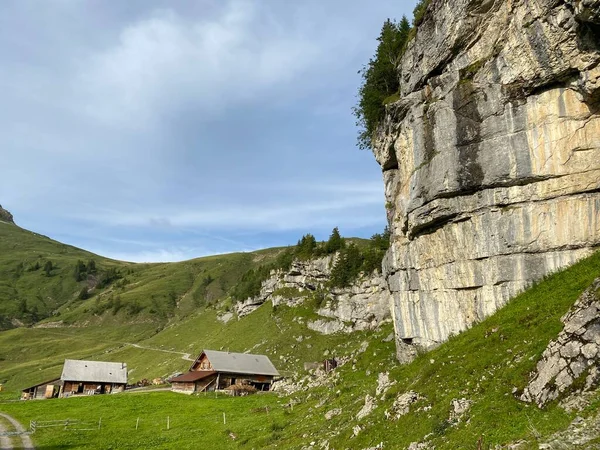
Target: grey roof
[(94, 371), (241, 363)]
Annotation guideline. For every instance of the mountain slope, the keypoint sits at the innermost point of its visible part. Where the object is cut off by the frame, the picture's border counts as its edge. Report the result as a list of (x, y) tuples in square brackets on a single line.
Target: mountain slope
[(464, 392), (41, 278)]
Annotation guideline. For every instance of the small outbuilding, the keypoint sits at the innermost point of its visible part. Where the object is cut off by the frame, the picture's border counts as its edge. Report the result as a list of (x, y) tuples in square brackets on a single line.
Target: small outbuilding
[(215, 370), (47, 389)]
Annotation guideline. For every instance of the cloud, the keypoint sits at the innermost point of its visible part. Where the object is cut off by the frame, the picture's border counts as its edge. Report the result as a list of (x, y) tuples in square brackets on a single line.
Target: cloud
[(166, 61), (204, 127), (354, 205), (160, 255)]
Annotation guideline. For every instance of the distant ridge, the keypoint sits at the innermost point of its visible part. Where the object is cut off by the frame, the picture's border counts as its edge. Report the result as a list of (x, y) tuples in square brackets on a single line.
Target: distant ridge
[(6, 216)]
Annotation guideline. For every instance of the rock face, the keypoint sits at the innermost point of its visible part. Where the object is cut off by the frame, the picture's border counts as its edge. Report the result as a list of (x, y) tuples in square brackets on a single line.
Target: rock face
[(363, 305), (491, 158), (5, 216), (573, 356)]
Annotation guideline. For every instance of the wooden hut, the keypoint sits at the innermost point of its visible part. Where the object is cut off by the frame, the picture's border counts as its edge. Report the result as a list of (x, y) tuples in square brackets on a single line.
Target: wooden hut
[(47, 389), (93, 377), (214, 370)]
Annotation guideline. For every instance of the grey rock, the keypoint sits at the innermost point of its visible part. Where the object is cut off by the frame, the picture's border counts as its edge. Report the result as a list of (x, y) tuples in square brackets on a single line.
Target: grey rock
[(580, 434), (589, 351), (570, 350), (401, 405), (367, 408), (225, 317), (6, 216), (566, 358), (460, 407), (364, 305), (383, 383), (491, 159), (332, 413)]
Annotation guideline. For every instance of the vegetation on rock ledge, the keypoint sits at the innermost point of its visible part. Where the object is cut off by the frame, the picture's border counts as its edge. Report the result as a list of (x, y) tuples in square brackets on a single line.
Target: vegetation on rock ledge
[(381, 75)]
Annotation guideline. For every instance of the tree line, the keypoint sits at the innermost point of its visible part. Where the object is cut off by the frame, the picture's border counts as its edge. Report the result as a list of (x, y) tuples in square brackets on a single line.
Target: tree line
[(381, 75), (352, 260)]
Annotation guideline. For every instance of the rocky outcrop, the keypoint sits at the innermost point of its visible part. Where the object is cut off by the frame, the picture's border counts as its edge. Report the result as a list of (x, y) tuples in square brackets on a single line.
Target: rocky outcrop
[(6, 216), (491, 158), (362, 306), (574, 357)]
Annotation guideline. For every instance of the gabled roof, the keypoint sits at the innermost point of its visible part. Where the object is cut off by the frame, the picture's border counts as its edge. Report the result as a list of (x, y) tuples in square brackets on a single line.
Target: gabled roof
[(239, 363), (193, 376), (94, 371)]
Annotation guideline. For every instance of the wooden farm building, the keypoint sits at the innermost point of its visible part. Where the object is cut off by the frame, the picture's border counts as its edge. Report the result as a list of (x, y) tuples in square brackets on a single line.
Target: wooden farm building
[(47, 389), (93, 377), (214, 370), (82, 378)]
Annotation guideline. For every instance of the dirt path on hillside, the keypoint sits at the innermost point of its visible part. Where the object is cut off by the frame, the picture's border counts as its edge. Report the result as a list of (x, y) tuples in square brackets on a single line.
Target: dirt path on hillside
[(186, 356), (5, 443), (26, 442)]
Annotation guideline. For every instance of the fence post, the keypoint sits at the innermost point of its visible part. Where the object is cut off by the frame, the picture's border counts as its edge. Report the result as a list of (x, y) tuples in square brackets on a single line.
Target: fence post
[(168, 423), (99, 422), (224, 420), (137, 423)]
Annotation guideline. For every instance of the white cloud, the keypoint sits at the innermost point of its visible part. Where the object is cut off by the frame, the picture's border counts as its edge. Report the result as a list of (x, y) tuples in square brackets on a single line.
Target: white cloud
[(354, 206), (165, 61), (154, 256)]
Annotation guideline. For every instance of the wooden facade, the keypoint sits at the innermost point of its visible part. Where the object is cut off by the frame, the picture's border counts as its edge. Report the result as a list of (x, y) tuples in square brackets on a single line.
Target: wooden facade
[(90, 388), (221, 370), (82, 378), (47, 389)]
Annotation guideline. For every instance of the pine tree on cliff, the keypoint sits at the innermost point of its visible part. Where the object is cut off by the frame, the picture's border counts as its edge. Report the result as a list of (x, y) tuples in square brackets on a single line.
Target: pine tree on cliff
[(335, 242), (306, 247), (380, 79)]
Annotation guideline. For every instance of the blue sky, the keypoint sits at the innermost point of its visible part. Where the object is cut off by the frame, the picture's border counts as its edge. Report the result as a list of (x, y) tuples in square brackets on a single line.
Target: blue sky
[(154, 130)]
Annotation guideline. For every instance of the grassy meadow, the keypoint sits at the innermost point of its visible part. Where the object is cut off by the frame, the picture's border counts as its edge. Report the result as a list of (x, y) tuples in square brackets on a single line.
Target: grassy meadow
[(488, 365), (485, 365)]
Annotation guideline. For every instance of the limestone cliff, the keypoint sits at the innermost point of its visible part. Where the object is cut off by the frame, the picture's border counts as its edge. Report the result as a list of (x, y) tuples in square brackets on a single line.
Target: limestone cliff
[(5, 216), (363, 305), (491, 158)]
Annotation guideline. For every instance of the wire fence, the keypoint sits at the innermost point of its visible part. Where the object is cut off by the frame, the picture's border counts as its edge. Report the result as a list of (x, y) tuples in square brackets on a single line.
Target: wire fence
[(81, 425), (65, 424)]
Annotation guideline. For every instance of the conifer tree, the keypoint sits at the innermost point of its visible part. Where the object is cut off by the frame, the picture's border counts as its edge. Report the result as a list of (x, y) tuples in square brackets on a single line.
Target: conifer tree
[(380, 78), (335, 242)]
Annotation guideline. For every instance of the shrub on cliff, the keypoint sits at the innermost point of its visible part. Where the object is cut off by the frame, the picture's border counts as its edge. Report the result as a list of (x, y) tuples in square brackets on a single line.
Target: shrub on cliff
[(419, 12), (380, 79), (353, 260), (306, 247)]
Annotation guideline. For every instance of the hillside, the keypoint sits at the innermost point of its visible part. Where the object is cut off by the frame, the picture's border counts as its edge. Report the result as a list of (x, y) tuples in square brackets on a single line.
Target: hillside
[(149, 314), (463, 392), (44, 279), (474, 322)]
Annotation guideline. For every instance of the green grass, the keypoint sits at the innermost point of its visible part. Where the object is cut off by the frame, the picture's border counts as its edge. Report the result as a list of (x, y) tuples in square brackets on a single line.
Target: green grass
[(194, 422), (150, 292), (483, 364)]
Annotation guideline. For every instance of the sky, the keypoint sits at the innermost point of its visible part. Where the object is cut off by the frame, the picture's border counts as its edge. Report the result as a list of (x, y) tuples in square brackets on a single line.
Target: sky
[(155, 130)]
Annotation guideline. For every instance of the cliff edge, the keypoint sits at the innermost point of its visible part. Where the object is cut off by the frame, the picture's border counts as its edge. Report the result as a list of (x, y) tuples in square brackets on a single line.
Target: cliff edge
[(491, 158), (6, 216)]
